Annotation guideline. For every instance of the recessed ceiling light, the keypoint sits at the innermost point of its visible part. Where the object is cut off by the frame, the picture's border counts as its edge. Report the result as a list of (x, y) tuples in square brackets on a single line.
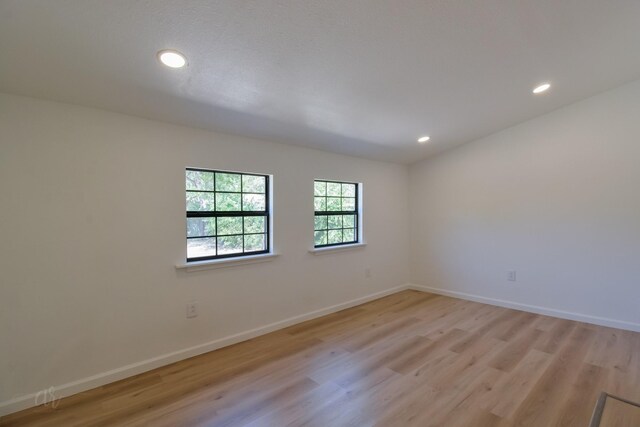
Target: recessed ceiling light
[(172, 58), (541, 88), (423, 139)]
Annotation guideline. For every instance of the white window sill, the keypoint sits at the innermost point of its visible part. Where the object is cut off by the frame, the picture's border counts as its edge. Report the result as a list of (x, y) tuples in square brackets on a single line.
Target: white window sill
[(338, 248), (225, 262)]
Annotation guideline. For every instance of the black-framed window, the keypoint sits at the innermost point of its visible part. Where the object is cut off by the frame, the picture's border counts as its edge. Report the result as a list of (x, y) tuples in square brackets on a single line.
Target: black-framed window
[(337, 215), (227, 214)]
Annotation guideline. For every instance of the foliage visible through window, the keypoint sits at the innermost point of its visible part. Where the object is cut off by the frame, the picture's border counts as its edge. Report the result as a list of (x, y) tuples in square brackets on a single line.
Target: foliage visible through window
[(227, 214), (336, 213)]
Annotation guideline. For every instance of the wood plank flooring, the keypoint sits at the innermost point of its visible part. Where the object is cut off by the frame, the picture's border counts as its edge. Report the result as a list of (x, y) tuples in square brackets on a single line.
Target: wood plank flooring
[(409, 359), (618, 413)]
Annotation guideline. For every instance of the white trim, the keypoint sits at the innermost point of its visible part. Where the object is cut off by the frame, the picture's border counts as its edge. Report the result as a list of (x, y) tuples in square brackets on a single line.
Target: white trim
[(337, 248), (68, 389), (225, 262), (586, 318), (83, 384), (360, 202)]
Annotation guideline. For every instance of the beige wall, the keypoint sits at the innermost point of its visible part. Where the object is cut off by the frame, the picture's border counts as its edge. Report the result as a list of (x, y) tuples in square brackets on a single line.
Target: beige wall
[(93, 225), (556, 198)]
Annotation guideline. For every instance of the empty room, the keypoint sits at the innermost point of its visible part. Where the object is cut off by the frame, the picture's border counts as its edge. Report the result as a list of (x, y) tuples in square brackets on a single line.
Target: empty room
[(273, 213)]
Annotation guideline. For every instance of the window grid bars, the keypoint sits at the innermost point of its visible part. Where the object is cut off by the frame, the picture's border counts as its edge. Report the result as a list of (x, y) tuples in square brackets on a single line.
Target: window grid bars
[(217, 214), (355, 213)]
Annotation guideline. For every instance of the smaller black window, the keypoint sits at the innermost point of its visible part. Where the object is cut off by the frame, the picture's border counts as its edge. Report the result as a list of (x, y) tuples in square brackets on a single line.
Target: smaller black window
[(337, 215), (227, 214)]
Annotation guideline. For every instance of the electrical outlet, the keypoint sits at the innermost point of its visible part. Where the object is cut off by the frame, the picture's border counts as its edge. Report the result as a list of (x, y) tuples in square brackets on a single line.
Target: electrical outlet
[(367, 273), (192, 310), (511, 276)]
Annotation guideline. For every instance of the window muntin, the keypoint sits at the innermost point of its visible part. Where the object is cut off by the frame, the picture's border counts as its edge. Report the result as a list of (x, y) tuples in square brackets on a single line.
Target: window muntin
[(227, 214), (336, 213)]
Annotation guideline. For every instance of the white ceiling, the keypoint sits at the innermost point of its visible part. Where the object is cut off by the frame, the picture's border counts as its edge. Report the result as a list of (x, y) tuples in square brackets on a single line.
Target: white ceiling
[(362, 77)]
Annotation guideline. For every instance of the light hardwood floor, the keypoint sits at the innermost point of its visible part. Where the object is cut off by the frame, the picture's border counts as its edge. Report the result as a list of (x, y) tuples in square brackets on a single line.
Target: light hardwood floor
[(409, 359), (618, 413)]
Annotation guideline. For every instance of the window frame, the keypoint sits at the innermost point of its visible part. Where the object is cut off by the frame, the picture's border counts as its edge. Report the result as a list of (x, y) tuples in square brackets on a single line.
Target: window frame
[(357, 213), (266, 214)]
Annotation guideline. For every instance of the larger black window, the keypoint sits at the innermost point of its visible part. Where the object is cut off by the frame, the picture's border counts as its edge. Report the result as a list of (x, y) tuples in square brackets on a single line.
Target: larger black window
[(337, 219), (227, 214)]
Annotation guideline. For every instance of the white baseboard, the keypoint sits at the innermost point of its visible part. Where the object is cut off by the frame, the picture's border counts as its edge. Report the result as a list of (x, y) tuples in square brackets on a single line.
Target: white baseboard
[(586, 318), (83, 384)]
